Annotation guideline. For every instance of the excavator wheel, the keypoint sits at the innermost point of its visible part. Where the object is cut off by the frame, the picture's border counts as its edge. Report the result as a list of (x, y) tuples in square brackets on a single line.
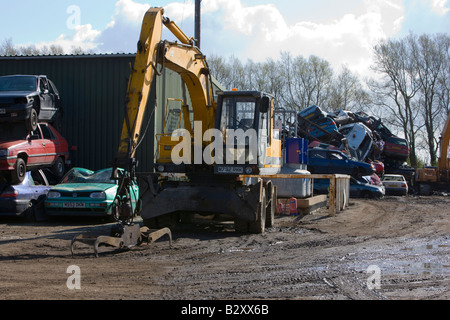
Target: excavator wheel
[(271, 205), (258, 226)]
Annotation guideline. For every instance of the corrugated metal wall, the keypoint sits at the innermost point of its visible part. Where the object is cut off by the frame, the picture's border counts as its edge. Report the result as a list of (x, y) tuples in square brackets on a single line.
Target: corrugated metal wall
[(93, 90)]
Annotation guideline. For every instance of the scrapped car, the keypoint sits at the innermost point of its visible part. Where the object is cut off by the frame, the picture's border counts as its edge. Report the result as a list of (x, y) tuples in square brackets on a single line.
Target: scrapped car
[(322, 127), (395, 184), (318, 144), (29, 99), (86, 193), (379, 167), (21, 152), (328, 161), (311, 113), (396, 148), (359, 139), (357, 189), (25, 199)]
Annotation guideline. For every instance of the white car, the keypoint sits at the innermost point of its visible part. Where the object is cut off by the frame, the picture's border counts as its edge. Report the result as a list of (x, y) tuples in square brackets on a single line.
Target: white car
[(395, 184), (359, 138)]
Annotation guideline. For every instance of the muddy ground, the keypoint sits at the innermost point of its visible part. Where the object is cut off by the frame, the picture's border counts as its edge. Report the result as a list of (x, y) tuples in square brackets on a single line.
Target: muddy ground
[(397, 248)]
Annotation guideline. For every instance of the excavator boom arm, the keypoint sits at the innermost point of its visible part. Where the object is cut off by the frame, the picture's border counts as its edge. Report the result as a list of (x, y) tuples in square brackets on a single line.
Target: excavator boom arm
[(185, 59), (444, 143), (141, 78)]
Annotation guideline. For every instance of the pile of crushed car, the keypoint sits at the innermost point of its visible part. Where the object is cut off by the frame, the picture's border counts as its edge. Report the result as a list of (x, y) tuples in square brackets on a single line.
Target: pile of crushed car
[(355, 144), (35, 180)]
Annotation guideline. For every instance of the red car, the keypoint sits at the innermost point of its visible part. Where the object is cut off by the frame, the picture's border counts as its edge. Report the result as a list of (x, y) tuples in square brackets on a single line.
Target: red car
[(396, 148), (21, 152)]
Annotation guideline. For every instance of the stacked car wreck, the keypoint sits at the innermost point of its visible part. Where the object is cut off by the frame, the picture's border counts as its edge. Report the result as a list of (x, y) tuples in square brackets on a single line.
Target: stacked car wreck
[(30, 113), (361, 137)]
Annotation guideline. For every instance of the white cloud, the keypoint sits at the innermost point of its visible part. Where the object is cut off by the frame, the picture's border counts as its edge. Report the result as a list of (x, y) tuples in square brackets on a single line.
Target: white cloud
[(178, 11), (259, 32), (130, 11), (348, 39), (439, 6), (84, 37)]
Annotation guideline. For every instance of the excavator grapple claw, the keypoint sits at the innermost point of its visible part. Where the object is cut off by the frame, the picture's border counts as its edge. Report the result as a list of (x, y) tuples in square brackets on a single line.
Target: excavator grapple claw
[(122, 236)]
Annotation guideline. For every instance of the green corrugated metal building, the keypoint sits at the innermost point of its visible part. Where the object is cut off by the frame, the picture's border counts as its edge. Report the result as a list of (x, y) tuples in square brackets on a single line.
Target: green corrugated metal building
[(93, 91)]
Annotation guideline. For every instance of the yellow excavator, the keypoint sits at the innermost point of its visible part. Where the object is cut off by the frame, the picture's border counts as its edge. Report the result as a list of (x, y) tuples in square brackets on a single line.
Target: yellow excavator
[(429, 179), (202, 160)]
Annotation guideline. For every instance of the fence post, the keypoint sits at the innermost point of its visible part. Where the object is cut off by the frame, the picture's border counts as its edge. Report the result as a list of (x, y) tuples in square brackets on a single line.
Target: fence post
[(332, 196)]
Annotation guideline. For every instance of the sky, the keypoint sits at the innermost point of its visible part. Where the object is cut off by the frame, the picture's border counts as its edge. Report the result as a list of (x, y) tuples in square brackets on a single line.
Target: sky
[(342, 32)]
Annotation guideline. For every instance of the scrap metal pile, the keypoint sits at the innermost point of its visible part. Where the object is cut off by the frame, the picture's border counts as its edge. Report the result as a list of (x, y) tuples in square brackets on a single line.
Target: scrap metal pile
[(363, 137)]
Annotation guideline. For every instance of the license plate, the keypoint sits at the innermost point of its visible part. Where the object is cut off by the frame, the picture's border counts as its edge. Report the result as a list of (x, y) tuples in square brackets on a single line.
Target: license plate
[(74, 205), (2, 111), (393, 186), (235, 170)]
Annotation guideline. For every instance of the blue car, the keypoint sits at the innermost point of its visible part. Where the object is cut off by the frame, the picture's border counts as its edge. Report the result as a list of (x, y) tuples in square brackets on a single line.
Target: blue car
[(357, 189), (25, 199), (327, 161), (326, 124)]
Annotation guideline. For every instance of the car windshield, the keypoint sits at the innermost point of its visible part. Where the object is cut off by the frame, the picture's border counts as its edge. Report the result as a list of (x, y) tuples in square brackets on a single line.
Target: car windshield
[(86, 176), (393, 178), (23, 83)]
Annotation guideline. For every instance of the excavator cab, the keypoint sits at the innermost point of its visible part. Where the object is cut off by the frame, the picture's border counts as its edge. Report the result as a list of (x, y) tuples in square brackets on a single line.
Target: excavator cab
[(245, 121)]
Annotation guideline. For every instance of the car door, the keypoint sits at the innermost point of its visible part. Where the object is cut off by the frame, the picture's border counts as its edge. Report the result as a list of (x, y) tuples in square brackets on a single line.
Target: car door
[(318, 161), (57, 104), (355, 189), (47, 100), (49, 142), (39, 185), (37, 153), (338, 163)]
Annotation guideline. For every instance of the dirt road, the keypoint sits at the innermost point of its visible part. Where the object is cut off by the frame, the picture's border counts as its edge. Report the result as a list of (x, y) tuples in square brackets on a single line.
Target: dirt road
[(395, 248)]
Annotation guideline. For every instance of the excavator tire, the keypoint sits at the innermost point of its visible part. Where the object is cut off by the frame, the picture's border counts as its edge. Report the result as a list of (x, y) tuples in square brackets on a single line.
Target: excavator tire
[(271, 205), (258, 226)]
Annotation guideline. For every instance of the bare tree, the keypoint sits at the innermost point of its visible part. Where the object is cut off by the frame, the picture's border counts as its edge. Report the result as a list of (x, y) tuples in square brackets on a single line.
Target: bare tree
[(393, 60), (7, 48), (308, 81), (429, 59), (347, 92)]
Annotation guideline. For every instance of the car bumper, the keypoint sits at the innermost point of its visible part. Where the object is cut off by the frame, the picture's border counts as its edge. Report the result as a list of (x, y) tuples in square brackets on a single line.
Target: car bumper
[(89, 209), (7, 164), (15, 113), (396, 191), (13, 208)]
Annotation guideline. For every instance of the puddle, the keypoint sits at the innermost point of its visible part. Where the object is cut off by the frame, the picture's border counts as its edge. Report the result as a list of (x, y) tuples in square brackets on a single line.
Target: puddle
[(424, 248), (240, 250), (423, 268), (411, 257)]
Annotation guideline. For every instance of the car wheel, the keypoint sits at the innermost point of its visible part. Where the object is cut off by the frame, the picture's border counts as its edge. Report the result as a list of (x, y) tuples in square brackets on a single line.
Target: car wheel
[(30, 213), (58, 168), (20, 169), (32, 122)]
